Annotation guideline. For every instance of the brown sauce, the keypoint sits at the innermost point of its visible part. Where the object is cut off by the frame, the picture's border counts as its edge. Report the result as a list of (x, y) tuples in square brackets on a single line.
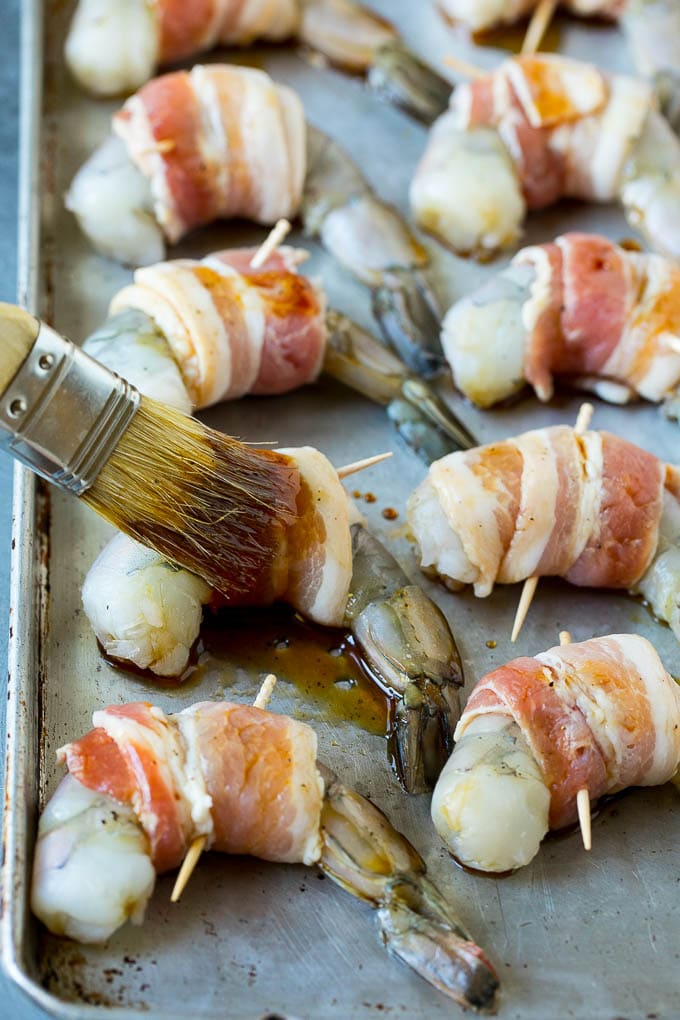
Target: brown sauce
[(322, 663), (511, 37), (390, 514)]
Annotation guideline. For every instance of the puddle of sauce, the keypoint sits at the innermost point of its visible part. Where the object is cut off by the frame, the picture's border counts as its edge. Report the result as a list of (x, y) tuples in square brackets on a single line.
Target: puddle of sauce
[(630, 244), (390, 514), (324, 664), (370, 497), (511, 37)]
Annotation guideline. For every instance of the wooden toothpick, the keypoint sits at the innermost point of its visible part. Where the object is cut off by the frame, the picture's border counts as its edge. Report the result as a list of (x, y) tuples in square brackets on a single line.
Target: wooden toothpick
[(583, 420), (525, 599), (265, 692), (583, 796), (276, 235), (361, 465), (541, 18), (188, 865), (198, 846), (583, 808), (463, 67)]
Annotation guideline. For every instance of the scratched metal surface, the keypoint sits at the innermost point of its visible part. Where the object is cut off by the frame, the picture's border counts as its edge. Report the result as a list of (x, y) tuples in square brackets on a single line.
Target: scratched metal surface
[(573, 935)]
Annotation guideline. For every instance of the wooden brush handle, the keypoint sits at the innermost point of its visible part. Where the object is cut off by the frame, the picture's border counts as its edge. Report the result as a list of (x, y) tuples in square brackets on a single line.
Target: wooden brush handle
[(18, 332)]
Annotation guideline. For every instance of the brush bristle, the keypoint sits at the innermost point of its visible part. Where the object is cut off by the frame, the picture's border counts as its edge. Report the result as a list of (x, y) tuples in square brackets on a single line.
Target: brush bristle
[(203, 500)]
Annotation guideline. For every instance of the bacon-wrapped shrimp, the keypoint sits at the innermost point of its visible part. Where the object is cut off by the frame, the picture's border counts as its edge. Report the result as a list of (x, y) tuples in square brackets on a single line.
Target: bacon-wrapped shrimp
[(221, 141), (592, 508), (199, 332), (539, 129), (580, 309), (350, 36), (143, 785), (601, 715)]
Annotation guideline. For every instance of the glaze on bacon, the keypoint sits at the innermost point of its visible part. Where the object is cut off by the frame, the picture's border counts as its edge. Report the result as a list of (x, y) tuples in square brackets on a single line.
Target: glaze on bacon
[(244, 778), (603, 714), (535, 130), (216, 142), (567, 126), (549, 502), (233, 329), (590, 312)]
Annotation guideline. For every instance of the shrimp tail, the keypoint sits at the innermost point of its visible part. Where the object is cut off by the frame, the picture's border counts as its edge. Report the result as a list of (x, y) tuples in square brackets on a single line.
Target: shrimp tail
[(410, 651), (418, 927), (406, 81), (421, 733), (423, 420), (368, 858), (406, 311)]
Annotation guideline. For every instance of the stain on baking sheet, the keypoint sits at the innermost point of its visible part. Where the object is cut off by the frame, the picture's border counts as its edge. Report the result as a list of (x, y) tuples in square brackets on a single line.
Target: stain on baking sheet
[(323, 663), (511, 37)]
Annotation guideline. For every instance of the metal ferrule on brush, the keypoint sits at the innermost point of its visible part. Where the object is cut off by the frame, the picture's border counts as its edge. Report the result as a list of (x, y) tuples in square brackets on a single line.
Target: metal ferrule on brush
[(65, 413)]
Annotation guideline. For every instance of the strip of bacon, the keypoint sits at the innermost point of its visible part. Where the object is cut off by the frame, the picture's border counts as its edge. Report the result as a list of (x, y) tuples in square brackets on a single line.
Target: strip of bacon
[(602, 715), (216, 142), (244, 778), (567, 126), (549, 502), (234, 330), (591, 313)]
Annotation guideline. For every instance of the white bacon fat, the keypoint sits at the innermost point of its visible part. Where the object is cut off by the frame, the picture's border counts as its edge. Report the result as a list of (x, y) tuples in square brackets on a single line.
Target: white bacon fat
[(592, 508), (582, 308), (601, 715)]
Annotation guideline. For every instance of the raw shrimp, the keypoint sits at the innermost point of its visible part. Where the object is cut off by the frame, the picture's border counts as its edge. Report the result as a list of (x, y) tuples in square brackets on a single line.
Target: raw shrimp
[(147, 187), (347, 34), (579, 309), (539, 129), (550, 503), (92, 870), (144, 785), (601, 715), (147, 612)]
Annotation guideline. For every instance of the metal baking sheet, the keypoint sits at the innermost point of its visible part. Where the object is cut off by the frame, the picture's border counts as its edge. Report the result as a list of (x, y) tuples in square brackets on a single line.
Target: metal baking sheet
[(574, 934)]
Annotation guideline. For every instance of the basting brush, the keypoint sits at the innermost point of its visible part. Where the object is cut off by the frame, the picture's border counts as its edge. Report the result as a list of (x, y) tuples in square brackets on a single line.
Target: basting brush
[(201, 499)]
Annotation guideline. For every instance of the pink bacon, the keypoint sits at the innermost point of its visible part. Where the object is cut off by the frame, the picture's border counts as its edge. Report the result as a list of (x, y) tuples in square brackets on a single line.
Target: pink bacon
[(561, 121), (244, 778), (214, 143), (602, 715), (232, 329), (549, 502), (607, 313), (189, 28)]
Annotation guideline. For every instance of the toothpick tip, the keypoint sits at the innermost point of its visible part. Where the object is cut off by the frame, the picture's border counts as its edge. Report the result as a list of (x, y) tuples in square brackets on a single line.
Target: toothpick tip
[(361, 465), (583, 809), (528, 592)]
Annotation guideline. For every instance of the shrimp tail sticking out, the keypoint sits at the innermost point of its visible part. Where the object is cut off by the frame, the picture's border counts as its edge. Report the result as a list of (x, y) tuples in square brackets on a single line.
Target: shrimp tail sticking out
[(409, 649), (350, 36), (374, 243), (424, 421), (408, 82), (143, 786), (365, 855)]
